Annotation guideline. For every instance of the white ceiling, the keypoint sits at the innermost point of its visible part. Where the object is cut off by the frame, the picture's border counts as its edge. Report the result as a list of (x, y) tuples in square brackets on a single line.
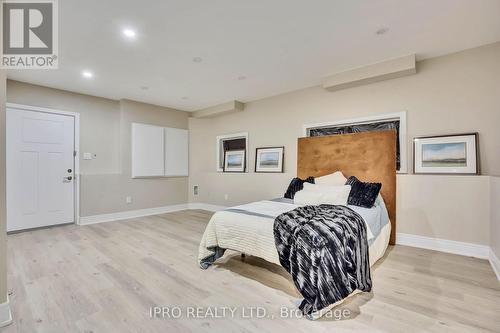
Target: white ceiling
[(278, 45)]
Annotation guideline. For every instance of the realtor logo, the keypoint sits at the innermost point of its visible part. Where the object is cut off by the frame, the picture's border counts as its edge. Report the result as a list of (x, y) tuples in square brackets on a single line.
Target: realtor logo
[(29, 34)]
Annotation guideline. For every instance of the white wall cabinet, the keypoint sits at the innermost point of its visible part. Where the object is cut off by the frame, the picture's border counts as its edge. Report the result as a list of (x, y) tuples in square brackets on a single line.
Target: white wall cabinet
[(148, 146), (176, 152), (159, 151)]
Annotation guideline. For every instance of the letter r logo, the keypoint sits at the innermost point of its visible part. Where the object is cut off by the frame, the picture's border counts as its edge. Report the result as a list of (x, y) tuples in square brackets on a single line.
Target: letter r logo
[(27, 27)]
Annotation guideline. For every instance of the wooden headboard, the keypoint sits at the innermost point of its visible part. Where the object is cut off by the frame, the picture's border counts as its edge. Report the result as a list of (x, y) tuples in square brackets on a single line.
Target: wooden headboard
[(370, 156)]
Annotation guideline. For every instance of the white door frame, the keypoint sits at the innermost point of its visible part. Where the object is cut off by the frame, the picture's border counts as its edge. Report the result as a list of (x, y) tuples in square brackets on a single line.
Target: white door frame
[(76, 117)]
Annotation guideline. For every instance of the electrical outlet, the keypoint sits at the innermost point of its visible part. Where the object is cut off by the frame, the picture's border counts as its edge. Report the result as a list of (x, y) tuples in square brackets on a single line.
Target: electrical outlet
[(128, 199), (195, 190), (226, 197)]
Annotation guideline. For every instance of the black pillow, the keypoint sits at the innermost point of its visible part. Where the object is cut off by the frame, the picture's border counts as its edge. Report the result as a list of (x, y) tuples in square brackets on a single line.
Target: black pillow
[(362, 194), (296, 185)]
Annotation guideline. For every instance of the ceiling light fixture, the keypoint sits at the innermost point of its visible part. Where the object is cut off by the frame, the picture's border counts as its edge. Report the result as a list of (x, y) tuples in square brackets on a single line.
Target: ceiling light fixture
[(87, 74), (129, 33)]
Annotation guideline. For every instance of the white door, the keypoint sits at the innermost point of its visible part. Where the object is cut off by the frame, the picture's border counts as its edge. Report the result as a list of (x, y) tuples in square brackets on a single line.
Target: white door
[(40, 169)]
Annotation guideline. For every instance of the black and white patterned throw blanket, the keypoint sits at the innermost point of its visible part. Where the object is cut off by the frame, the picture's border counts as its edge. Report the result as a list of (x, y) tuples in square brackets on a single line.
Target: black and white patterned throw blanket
[(325, 249)]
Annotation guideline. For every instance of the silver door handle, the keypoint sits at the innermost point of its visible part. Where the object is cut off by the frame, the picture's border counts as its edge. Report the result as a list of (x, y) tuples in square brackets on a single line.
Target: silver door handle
[(67, 179)]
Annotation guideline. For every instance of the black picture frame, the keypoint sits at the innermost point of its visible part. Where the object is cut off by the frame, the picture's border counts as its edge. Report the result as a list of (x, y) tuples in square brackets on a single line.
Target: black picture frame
[(244, 162), (281, 170), (475, 135)]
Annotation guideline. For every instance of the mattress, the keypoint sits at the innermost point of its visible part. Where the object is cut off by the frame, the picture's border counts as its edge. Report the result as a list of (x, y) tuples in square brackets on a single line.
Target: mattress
[(249, 229)]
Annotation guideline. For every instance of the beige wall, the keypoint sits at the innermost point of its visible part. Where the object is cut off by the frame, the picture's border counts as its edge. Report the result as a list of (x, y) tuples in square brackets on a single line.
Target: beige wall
[(105, 193), (99, 121), (105, 131), (3, 239), (495, 215), (427, 205), (451, 94)]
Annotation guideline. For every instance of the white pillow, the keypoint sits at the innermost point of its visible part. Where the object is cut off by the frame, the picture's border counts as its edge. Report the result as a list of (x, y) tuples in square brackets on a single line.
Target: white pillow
[(337, 195), (317, 195), (304, 197), (333, 179), (321, 188)]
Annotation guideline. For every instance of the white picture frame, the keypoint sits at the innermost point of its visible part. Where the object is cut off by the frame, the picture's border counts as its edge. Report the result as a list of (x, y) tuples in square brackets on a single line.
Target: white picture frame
[(447, 154), (234, 161)]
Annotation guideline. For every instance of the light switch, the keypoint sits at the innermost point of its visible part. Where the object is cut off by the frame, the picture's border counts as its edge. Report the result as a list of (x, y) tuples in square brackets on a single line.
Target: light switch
[(87, 156)]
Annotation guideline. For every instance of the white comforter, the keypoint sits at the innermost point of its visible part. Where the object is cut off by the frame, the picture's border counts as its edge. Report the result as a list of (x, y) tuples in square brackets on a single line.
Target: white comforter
[(250, 234), (249, 229)]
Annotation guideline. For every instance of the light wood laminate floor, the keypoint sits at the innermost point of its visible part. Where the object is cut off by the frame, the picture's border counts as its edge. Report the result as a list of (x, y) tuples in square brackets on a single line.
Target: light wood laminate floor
[(105, 278)]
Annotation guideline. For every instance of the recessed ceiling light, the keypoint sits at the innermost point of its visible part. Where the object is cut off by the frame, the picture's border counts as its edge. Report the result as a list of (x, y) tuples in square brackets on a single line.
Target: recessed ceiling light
[(381, 31), (87, 74), (129, 33), (197, 59), (242, 77)]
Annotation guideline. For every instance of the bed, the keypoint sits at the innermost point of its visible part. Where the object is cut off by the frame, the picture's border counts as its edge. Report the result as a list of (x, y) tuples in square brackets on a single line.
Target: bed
[(370, 156), (248, 229)]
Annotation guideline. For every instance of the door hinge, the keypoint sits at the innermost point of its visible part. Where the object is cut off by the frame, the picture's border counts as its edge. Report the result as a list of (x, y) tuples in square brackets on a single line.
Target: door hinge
[(74, 153)]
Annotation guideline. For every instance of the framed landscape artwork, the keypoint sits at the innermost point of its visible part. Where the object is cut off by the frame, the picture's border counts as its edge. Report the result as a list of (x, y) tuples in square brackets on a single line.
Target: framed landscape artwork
[(269, 159), (447, 154), (234, 161)]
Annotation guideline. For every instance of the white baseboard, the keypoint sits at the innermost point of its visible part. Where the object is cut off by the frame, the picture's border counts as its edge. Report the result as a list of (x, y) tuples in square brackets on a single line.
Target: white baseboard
[(444, 245), (5, 313), (495, 263), (209, 207), (130, 214)]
